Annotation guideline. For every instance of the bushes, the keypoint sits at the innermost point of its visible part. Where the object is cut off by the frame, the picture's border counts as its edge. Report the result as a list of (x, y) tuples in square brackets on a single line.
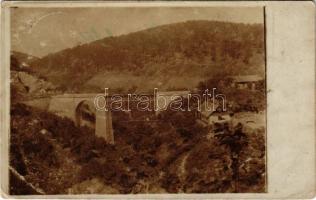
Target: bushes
[(38, 140), (26, 136), (253, 164), (20, 110), (173, 154)]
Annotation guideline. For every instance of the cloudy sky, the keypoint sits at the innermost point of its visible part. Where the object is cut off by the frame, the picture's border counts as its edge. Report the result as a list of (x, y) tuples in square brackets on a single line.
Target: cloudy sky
[(40, 31)]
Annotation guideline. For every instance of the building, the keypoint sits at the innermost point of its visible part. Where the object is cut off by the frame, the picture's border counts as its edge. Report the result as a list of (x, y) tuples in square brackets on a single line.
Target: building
[(213, 118), (250, 82)]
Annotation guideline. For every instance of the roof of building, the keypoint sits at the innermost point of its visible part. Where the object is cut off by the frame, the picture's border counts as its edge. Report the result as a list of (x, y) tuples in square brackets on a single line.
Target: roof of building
[(214, 113), (207, 109), (208, 105), (247, 78), (206, 113)]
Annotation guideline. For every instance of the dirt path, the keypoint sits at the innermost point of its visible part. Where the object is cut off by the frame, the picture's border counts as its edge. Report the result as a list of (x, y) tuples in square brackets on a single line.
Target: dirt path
[(182, 171)]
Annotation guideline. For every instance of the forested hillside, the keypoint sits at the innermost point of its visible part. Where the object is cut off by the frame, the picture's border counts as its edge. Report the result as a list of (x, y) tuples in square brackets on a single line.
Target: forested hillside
[(171, 56)]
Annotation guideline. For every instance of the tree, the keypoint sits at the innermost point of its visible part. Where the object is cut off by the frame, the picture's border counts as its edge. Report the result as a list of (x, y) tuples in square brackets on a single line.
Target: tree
[(235, 142)]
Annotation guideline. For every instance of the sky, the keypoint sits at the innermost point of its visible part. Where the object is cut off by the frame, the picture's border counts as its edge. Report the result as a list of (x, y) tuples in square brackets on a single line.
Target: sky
[(41, 31)]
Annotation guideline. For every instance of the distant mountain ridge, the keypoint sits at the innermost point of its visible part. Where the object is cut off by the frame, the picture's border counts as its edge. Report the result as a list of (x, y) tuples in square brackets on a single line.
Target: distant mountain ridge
[(172, 56)]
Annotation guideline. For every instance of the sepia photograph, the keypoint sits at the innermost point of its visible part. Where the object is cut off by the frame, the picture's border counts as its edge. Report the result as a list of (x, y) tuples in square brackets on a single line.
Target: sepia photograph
[(137, 100)]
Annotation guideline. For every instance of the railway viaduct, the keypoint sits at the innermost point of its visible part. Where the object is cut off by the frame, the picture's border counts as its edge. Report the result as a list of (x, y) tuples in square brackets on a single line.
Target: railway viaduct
[(80, 108)]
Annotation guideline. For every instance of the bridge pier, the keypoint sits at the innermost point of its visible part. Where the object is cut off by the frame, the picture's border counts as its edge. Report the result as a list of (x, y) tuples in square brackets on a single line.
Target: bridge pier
[(103, 126), (66, 105)]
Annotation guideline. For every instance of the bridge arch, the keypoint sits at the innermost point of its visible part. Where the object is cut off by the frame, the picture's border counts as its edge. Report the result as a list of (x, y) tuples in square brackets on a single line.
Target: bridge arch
[(80, 108), (85, 114)]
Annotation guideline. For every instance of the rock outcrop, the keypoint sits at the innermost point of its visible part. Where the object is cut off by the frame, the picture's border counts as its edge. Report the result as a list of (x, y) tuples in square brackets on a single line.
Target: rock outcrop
[(24, 84)]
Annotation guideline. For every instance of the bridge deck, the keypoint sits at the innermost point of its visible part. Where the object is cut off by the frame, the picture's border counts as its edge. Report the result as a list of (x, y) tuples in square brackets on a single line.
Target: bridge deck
[(92, 95)]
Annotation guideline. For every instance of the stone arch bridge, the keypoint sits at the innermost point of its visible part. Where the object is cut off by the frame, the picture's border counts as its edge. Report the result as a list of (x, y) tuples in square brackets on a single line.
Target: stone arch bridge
[(80, 108)]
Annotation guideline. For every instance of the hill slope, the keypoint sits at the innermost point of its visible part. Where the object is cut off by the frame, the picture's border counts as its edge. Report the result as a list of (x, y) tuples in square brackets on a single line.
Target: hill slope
[(170, 57), (24, 82)]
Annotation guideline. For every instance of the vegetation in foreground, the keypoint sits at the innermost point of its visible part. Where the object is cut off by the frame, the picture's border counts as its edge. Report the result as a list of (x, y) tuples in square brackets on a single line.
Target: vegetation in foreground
[(169, 156)]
